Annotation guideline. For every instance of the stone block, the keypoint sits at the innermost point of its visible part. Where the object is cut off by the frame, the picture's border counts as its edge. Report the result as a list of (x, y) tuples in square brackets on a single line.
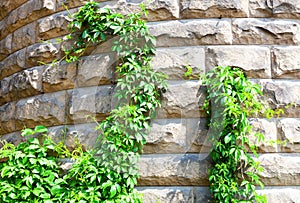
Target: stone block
[(46, 109), (238, 56), (265, 31), (14, 138), (158, 9), (7, 118), (60, 76), (282, 194), (42, 53), (191, 32), (174, 61), (5, 46), (4, 90), (173, 169), (286, 8), (283, 94), (214, 9), (7, 6), (96, 70), (181, 100), (12, 64), (90, 101), (289, 131), (24, 36), (176, 136), (260, 8), (286, 62)]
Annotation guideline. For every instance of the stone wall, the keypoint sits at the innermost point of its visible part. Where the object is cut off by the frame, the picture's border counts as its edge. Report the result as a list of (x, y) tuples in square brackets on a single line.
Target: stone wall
[(260, 36)]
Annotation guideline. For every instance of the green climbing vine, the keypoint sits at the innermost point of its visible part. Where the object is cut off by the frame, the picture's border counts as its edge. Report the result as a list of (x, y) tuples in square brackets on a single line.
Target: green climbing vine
[(233, 99)]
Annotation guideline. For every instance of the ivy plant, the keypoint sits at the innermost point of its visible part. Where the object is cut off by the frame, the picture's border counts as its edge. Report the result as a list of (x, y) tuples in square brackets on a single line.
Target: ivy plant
[(235, 170)]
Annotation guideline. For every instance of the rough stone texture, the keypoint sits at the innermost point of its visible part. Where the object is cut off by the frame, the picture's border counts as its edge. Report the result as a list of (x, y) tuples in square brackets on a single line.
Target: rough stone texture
[(174, 169), (5, 46), (8, 6), (214, 8), (283, 94), (174, 61), (90, 101), (239, 56), (260, 8), (14, 138), (4, 90), (286, 62), (265, 31), (176, 136), (96, 70), (289, 130), (59, 77), (191, 32), (42, 53), (158, 9), (289, 194), (24, 36), (7, 118), (181, 100), (12, 64), (46, 109)]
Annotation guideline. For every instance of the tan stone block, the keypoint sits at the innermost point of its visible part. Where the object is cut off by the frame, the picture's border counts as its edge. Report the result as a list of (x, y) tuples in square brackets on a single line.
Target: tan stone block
[(7, 118), (24, 36), (5, 46), (58, 77), (260, 8), (12, 64), (181, 100), (239, 56), (46, 109), (173, 169), (286, 8), (7, 6), (214, 9), (286, 62), (191, 32), (263, 31), (289, 129), (4, 90), (174, 61)]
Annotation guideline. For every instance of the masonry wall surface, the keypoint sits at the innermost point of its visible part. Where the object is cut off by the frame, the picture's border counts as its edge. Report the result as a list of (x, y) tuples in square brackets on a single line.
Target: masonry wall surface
[(260, 36)]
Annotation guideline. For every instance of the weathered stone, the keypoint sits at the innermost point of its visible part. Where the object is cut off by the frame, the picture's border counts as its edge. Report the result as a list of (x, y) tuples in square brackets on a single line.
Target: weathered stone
[(96, 70), (7, 118), (280, 169), (238, 56), (4, 90), (174, 169), (286, 62), (59, 77), (214, 8), (262, 31), (12, 64), (13, 138), (7, 6), (54, 25), (290, 194), (174, 61), (158, 9), (176, 136), (90, 101), (24, 36), (181, 100), (286, 8), (175, 194), (42, 53), (260, 8), (191, 32), (269, 130), (283, 94), (5, 46), (289, 129), (46, 109)]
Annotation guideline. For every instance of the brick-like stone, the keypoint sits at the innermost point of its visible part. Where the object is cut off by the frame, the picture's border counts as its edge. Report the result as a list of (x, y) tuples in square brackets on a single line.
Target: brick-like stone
[(181, 100), (283, 194), (286, 8), (4, 90), (214, 8), (158, 9), (174, 61), (239, 56), (59, 77), (265, 31), (5, 46), (90, 101), (286, 62), (13, 138), (96, 70), (24, 36), (174, 169), (46, 109), (40, 53), (260, 8), (7, 6), (191, 32), (12, 64), (289, 129), (7, 118), (176, 136)]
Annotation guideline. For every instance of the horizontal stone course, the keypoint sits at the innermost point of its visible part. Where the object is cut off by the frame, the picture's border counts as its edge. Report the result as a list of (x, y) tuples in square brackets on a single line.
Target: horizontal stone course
[(7, 6)]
